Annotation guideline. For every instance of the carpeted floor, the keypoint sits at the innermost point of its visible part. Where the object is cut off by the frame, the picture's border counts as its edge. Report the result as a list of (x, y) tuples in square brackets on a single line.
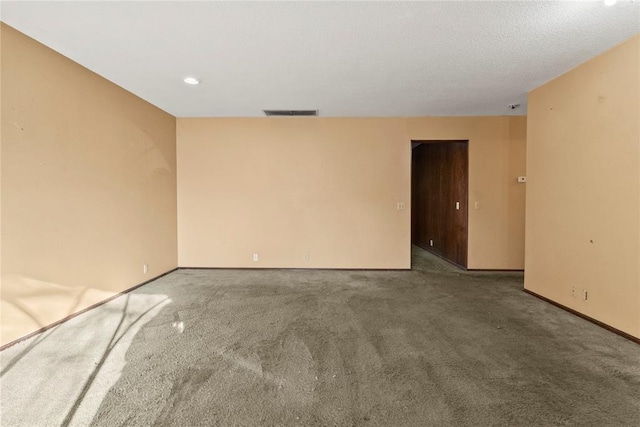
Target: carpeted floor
[(434, 346)]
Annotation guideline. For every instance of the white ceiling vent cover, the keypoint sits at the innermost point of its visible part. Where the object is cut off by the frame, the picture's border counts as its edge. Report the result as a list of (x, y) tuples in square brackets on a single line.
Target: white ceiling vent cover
[(289, 113)]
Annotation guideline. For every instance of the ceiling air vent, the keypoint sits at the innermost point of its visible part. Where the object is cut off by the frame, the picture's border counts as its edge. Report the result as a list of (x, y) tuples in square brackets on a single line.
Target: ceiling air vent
[(288, 113)]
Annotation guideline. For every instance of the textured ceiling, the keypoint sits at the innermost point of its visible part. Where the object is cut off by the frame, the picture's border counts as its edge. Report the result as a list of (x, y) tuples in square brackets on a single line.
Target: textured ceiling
[(344, 59)]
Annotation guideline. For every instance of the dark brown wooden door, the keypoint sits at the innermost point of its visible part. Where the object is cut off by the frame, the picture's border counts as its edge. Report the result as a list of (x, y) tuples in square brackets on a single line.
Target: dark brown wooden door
[(439, 198)]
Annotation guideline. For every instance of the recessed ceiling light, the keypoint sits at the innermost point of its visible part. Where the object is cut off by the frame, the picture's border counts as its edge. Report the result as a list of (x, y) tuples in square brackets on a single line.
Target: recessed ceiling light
[(610, 2), (191, 80)]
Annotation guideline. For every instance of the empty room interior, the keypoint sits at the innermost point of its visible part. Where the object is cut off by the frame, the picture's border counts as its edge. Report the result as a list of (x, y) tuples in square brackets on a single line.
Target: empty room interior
[(320, 213)]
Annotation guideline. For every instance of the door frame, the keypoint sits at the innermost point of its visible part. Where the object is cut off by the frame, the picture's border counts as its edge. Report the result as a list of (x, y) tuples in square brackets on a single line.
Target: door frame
[(419, 142)]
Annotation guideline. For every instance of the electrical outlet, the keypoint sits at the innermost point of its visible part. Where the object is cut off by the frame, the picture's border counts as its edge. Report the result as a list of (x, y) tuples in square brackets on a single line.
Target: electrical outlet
[(585, 295), (401, 206), (430, 242), (255, 257), (145, 268), (476, 205), (305, 256)]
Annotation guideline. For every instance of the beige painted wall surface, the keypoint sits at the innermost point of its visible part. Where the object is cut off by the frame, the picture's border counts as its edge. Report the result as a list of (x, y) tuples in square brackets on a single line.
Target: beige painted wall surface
[(583, 199), (283, 187), (88, 187), (288, 186), (497, 149), (0, 185)]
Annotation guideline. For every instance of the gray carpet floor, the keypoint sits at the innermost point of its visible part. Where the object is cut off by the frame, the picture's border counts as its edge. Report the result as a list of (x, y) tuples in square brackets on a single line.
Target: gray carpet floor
[(434, 346)]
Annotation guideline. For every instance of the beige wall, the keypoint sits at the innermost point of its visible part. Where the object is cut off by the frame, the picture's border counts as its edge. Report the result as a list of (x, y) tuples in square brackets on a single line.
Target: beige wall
[(497, 150), (88, 187), (583, 196), (283, 187), (1, 305)]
